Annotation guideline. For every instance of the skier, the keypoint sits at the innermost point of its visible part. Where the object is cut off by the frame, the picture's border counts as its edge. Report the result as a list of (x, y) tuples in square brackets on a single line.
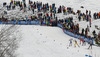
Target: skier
[(70, 44), (90, 44), (84, 41), (76, 44), (81, 40)]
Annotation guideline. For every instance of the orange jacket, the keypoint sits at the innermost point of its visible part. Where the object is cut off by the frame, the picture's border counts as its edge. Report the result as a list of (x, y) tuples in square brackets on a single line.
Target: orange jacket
[(99, 14)]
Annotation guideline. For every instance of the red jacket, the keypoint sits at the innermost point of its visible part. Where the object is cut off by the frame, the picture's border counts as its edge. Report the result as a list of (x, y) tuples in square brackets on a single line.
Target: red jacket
[(51, 21), (31, 6), (42, 8), (47, 14), (11, 1), (99, 14), (50, 6), (21, 5), (51, 14), (90, 20)]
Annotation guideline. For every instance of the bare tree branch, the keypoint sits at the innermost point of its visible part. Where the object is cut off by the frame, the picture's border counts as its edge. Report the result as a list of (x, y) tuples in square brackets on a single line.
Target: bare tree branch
[(8, 40)]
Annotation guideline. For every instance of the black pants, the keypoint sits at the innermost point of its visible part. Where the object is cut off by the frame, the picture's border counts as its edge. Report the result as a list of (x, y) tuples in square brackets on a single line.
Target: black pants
[(90, 46)]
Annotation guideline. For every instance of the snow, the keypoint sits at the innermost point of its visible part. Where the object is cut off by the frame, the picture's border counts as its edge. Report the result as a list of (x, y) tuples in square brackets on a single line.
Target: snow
[(43, 41)]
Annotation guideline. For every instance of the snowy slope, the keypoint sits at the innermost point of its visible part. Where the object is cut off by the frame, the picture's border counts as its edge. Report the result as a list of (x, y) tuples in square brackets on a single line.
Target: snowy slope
[(42, 41)]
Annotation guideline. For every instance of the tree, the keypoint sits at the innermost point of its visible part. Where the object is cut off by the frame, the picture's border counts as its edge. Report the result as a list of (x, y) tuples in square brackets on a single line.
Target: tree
[(8, 40)]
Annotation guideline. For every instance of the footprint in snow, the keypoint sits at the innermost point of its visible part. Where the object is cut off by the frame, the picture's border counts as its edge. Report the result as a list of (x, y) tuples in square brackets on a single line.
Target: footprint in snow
[(60, 43), (67, 47), (40, 34), (78, 50), (54, 40), (44, 41)]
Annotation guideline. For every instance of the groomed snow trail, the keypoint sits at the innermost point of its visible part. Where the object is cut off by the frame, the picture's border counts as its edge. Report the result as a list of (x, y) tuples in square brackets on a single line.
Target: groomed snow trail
[(43, 41)]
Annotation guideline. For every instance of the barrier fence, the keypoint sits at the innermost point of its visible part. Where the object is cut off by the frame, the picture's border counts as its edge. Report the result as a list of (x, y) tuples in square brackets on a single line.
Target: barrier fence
[(22, 22), (75, 35), (39, 22)]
